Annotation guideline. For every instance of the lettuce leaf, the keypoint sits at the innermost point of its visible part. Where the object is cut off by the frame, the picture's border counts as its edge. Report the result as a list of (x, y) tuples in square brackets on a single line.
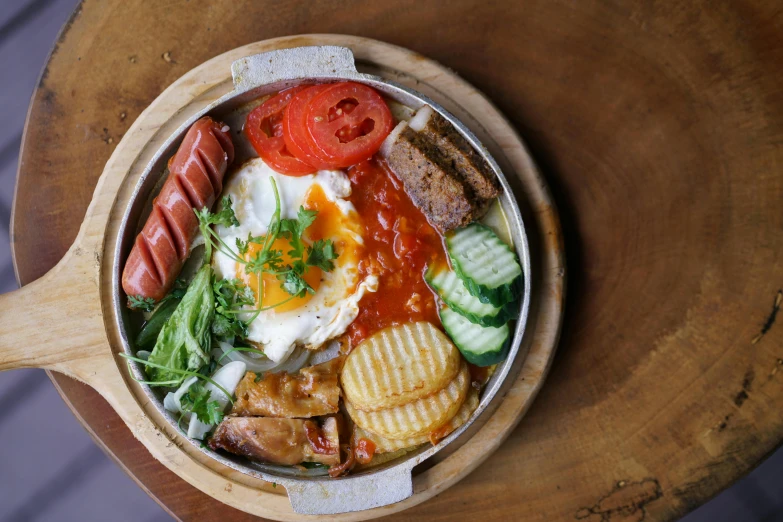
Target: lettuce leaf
[(184, 342)]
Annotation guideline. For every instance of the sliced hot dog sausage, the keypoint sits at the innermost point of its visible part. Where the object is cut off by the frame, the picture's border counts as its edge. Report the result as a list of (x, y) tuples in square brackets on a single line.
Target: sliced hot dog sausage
[(195, 179)]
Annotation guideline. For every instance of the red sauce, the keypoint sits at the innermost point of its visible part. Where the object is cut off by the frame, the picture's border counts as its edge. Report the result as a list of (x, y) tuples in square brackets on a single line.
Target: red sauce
[(345, 467), (399, 244), (318, 441), (364, 451)]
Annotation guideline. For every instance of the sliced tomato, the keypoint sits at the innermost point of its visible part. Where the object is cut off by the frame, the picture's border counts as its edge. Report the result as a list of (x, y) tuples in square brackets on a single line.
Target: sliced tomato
[(264, 129), (297, 137), (347, 123)]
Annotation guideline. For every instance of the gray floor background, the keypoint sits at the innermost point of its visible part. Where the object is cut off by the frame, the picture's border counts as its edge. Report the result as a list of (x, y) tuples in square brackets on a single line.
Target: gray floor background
[(50, 470)]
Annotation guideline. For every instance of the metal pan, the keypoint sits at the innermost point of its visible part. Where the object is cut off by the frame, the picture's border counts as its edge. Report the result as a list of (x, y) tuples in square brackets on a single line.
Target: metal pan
[(256, 76)]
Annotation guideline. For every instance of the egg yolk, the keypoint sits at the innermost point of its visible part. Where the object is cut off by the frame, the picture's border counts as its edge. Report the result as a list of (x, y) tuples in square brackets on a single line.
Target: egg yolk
[(330, 223), (273, 291)]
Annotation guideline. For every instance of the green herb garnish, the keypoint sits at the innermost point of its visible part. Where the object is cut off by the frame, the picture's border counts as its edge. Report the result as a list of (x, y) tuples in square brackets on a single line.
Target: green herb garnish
[(225, 216), (139, 302), (184, 341), (196, 400), (230, 295), (267, 260), (183, 373)]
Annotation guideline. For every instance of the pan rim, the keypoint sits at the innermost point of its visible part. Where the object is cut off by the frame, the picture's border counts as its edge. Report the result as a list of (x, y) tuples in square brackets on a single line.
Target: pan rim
[(514, 217)]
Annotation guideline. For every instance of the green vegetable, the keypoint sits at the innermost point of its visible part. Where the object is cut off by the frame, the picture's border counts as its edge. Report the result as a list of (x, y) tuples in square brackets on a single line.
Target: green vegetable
[(185, 340), (455, 294), (320, 254), (268, 260), (149, 333), (314, 465), (225, 216), (184, 373), (487, 266), (139, 302), (196, 401), (479, 345), (230, 294)]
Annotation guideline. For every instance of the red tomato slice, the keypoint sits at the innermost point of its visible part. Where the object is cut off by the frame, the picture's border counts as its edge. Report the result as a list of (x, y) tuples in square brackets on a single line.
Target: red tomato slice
[(347, 123), (297, 137), (265, 131)]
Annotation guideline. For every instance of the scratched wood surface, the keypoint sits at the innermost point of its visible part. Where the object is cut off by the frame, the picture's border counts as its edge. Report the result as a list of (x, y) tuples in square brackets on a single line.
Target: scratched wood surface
[(659, 127)]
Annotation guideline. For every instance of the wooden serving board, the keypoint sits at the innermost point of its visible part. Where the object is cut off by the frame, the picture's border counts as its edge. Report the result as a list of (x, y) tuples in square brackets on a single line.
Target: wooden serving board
[(84, 345)]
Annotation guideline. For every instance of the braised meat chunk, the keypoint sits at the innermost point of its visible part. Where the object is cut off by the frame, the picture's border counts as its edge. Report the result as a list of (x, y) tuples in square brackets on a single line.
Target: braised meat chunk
[(279, 441), (442, 173), (311, 392)]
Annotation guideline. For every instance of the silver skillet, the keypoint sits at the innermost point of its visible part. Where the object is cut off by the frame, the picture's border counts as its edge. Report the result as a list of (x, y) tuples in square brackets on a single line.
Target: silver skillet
[(256, 76)]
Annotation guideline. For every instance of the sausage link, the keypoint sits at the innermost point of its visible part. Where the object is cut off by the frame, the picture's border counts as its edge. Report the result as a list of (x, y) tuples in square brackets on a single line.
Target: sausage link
[(195, 180)]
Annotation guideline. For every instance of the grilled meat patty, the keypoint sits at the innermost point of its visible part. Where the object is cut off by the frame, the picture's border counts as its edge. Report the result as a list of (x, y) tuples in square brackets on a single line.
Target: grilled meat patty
[(444, 176)]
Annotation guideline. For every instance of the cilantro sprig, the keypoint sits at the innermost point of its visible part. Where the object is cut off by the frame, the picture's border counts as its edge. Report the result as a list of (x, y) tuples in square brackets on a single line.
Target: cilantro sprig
[(235, 298), (139, 302), (225, 217), (196, 401), (230, 294)]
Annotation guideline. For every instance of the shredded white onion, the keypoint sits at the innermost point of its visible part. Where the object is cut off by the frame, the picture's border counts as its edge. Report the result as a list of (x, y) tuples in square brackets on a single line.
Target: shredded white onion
[(171, 401), (388, 143), (260, 364), (254, 364), (420, 119), (295, 362), (331, 351)]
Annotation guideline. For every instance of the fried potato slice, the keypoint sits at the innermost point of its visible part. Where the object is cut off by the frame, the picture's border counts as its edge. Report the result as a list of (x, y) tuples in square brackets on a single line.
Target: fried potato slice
[(398, 365), (384, 445), (419, 417)]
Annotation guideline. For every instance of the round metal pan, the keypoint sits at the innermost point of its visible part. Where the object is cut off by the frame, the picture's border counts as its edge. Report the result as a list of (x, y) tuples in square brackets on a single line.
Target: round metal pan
[(263, 74)]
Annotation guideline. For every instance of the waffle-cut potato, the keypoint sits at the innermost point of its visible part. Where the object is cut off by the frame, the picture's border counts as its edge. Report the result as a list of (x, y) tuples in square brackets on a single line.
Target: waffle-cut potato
[(384, 445), (419, 417), (398, 365), (381, 458)]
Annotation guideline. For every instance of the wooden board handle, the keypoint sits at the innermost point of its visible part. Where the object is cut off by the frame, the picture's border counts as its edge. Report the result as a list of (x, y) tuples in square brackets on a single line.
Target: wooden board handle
[(54, 320), (28, 317)]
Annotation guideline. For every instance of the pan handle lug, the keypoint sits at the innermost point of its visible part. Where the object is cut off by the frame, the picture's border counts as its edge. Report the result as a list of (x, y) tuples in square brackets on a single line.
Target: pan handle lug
[(323, 61), (354, 493)]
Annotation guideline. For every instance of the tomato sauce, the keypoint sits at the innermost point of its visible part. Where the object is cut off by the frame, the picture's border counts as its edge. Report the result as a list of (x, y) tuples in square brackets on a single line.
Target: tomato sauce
[(364, 451), (318, 441), (399, 244)]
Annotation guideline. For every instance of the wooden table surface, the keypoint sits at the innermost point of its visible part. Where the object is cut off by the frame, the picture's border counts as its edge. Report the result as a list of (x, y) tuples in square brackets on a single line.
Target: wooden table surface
[(659, 127)]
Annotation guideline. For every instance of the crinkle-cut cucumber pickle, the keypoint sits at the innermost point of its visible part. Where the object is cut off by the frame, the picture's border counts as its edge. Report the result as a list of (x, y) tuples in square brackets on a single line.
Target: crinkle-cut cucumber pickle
[(455, 294), (480, 345), (488, 267)]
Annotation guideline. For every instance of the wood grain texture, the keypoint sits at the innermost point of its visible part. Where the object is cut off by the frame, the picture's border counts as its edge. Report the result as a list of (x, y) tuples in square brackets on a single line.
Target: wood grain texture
[(89, 341), (658, 124)]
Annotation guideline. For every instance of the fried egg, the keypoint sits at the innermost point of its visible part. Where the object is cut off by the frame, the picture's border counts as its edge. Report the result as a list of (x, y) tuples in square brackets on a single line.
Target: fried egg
[(311, 320)]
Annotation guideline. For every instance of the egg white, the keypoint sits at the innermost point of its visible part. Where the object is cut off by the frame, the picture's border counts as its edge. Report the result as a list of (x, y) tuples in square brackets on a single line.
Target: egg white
[(335, 304)]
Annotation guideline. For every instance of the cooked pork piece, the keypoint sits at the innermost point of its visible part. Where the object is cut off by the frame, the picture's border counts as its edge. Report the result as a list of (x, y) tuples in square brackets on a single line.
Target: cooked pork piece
[(311, 392), (279, 441), (444, 176)]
